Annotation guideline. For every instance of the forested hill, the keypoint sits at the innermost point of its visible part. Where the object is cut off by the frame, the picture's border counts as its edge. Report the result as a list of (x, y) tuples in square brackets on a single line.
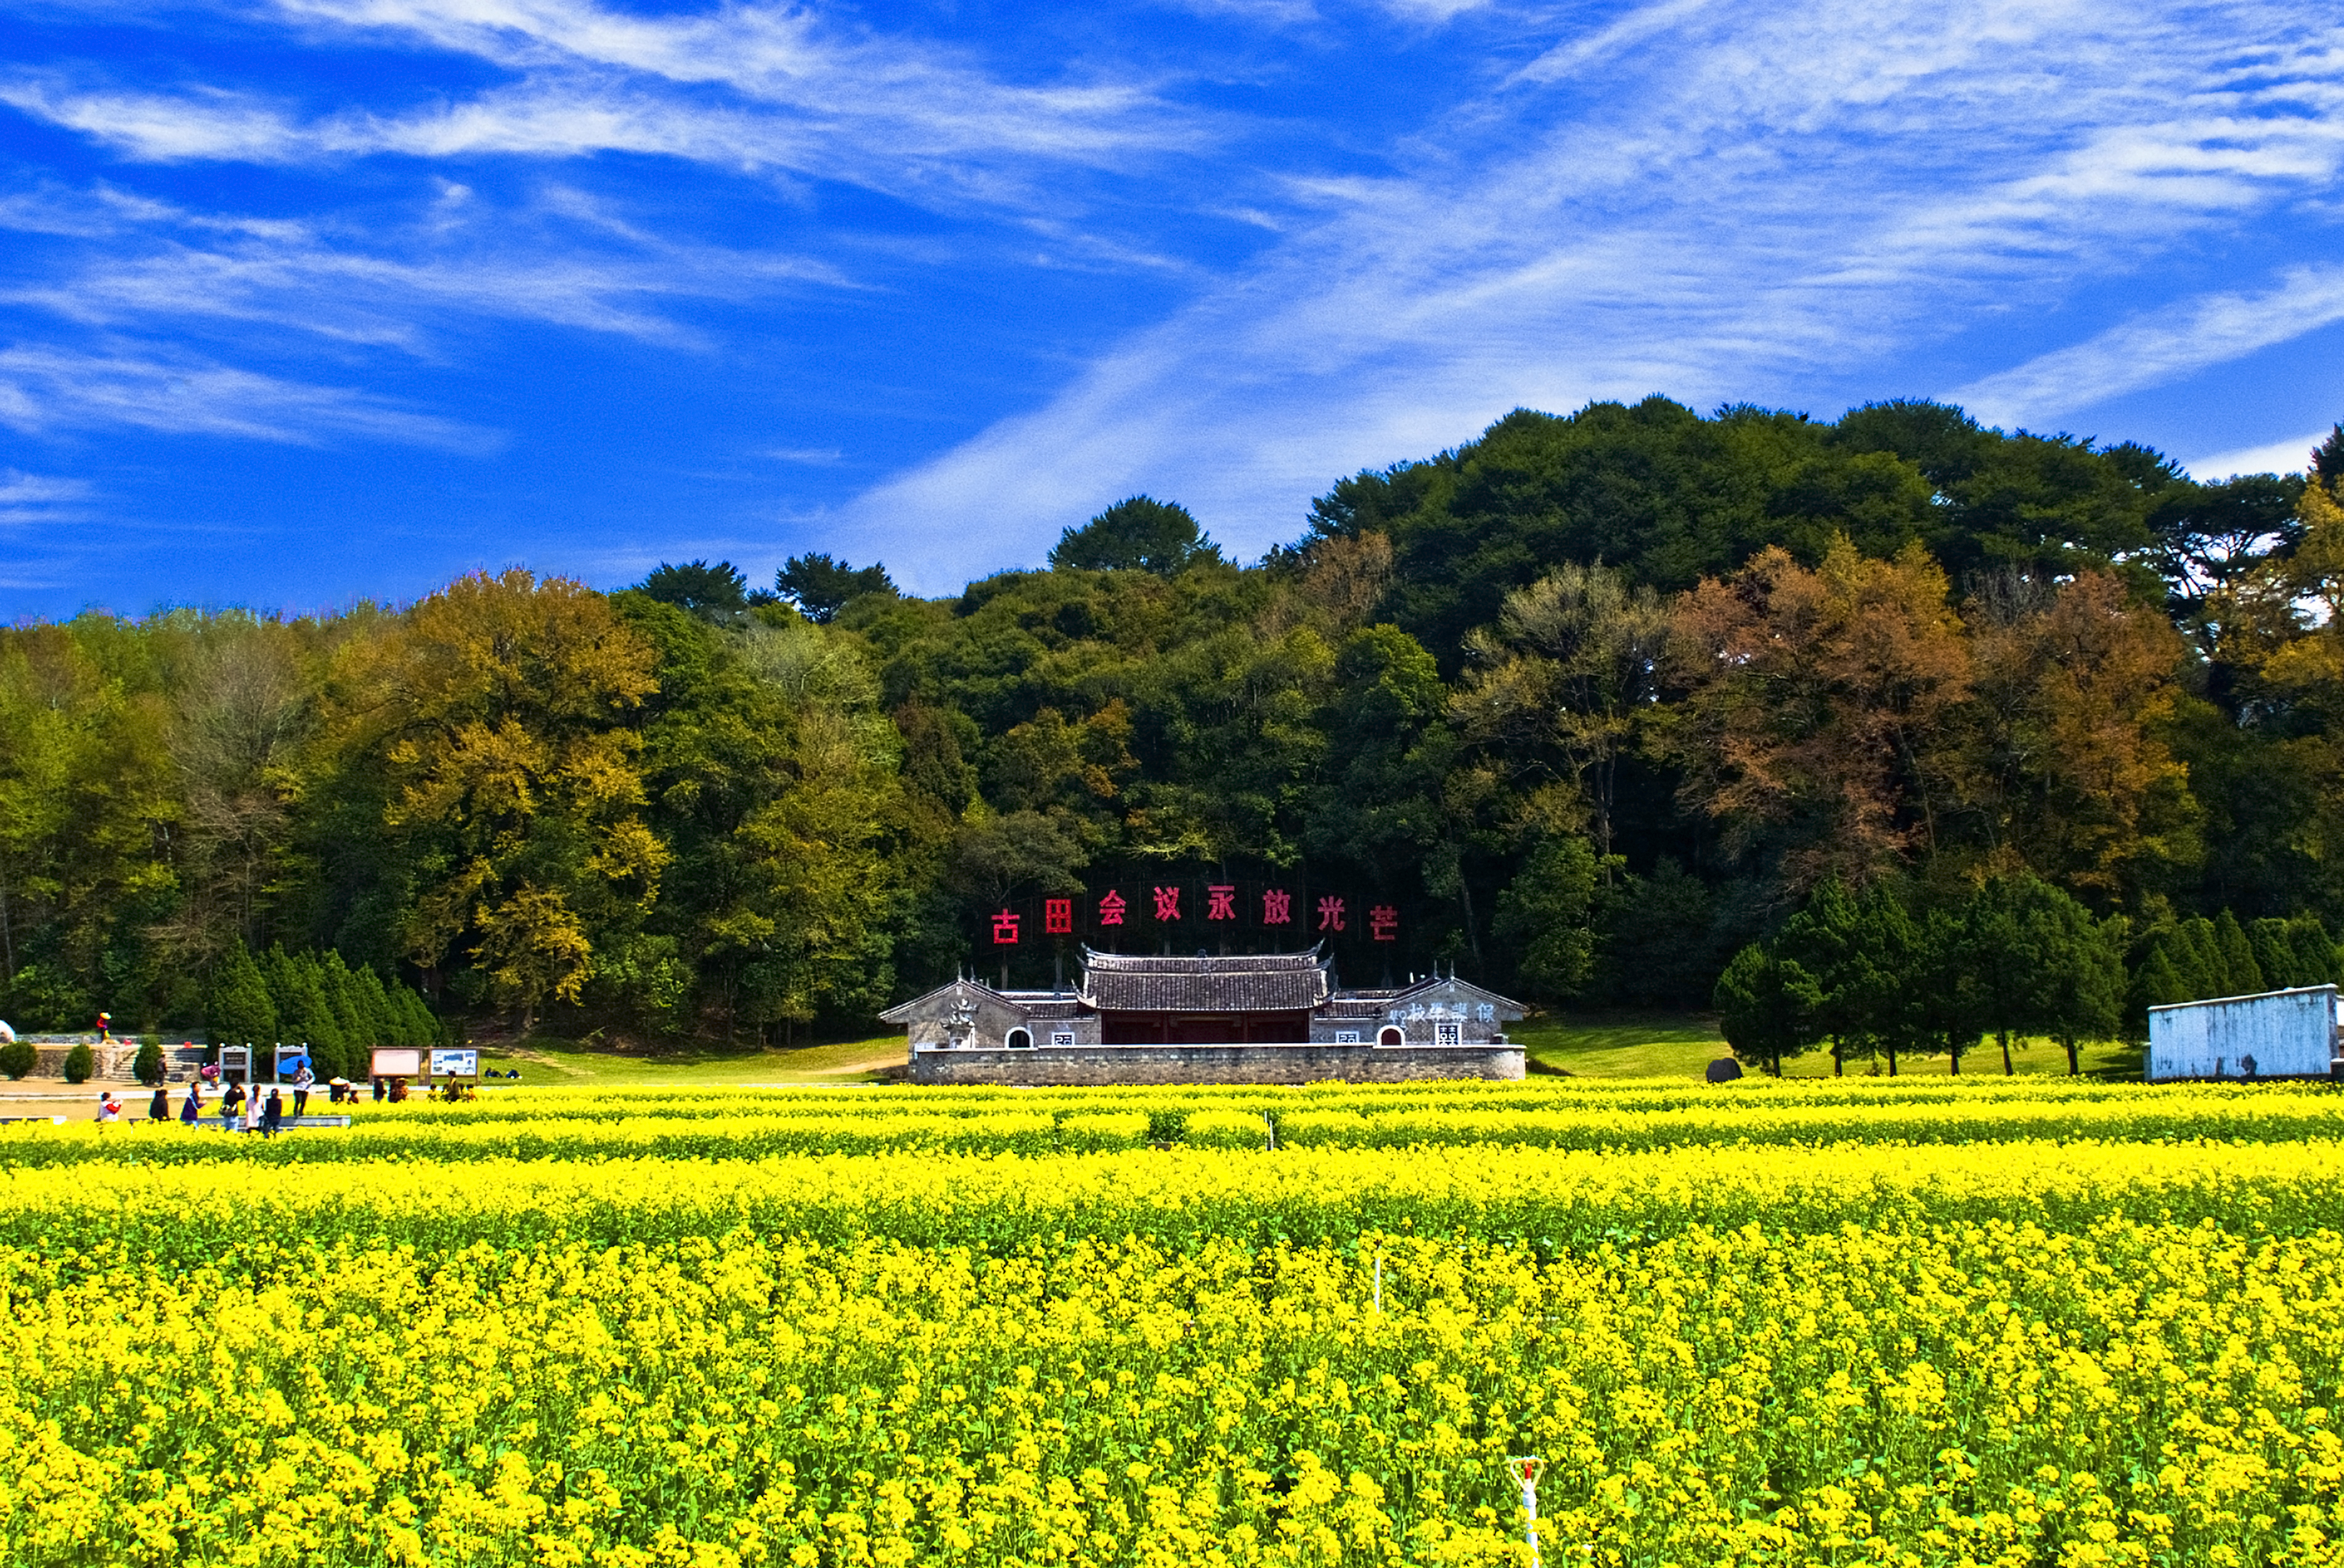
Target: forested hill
[(1582, 707)]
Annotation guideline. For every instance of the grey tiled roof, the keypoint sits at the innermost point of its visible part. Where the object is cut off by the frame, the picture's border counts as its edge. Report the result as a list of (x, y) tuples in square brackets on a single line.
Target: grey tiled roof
[(1259, 983)]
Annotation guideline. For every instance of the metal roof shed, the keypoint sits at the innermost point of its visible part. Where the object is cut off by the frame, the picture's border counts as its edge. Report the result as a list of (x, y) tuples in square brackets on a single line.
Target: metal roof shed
[(2289, 1034)]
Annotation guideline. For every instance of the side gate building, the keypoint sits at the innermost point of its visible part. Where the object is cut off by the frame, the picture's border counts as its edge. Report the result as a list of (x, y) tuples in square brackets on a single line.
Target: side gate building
[(1264, 1018)]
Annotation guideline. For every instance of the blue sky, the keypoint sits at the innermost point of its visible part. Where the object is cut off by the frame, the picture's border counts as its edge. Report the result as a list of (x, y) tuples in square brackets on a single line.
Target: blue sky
[(309, 300)]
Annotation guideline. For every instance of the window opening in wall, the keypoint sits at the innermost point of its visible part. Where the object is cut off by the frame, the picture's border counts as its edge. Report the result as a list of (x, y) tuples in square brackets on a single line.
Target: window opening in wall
[(1390, 1035), (1020, 1040)]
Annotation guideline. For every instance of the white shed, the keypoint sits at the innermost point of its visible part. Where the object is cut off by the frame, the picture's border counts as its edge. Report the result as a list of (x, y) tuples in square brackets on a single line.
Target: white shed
[(2276, 1035)]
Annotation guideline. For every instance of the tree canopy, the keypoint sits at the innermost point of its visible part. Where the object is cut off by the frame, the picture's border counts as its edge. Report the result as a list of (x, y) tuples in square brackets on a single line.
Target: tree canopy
[(1815, 721)]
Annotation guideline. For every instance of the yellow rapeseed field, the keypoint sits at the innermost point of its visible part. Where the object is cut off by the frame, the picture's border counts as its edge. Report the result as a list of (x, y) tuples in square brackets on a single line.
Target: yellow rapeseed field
[(2048, 1325)]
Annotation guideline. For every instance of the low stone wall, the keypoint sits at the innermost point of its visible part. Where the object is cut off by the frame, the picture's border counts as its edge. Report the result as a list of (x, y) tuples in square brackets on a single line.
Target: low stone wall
[(1073, 1066), (112, 1061)]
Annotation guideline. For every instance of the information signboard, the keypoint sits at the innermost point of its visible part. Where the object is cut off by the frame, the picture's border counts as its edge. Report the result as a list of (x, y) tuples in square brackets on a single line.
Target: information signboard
[(455, 1064), (397, 1062)]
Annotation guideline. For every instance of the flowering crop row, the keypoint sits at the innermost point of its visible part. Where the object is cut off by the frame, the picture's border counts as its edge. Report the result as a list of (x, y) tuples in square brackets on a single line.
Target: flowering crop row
[(101, 1216), (717, 1127), (1920, 1390), (541, 1104)]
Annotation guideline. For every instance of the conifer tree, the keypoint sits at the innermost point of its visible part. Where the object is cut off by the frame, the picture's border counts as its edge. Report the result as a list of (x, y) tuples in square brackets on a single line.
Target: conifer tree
[(2241, 974), (2155, 984), (2315, 954), (1763, 1021), (342, 996), (239, 1010), (304, 1017), (2273, 943), (382, 1020)]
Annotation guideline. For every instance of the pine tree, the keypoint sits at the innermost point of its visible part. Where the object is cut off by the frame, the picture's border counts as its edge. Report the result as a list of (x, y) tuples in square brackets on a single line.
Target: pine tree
[(1763, 1021), (2328, 459), (303, 1015), (1825, 953), (2315, 954), (2273, 947), (239, 1010), (2241, 974), (2196, 956), (337, 983), (2154, 984), (417, 1026), (382, 1021)]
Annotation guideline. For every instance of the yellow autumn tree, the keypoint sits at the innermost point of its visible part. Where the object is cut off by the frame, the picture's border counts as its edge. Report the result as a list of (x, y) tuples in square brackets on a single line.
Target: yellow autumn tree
[(498, 712), (2070, 771)]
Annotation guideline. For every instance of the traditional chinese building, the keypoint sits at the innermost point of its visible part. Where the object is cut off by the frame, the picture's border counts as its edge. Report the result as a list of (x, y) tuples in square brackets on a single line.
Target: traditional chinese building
[(1275, 1017)]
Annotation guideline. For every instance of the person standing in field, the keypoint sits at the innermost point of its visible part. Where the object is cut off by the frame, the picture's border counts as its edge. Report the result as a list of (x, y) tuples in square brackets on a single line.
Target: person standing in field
[(252, 1109), (229, 1104), (108, 1108), (301, 1082), (193, 1106), (159, 1107), (272, 1120)]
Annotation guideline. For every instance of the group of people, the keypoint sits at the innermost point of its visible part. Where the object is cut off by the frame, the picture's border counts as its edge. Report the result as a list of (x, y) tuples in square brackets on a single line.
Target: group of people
[(245, 1107), (239, 1106)]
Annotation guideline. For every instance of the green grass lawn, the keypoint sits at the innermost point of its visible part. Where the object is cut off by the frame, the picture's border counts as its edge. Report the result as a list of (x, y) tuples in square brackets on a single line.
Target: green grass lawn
[(1591, 1045), (1677, 1045), (550, 1062)]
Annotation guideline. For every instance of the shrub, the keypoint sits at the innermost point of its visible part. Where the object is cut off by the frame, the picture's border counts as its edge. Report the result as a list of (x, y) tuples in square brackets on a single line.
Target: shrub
[(80, 1062), (16, 1059), (147, 1066)]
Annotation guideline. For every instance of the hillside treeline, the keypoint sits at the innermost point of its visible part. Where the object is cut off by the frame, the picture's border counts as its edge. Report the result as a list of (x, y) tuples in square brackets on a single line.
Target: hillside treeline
[(1594, 702)]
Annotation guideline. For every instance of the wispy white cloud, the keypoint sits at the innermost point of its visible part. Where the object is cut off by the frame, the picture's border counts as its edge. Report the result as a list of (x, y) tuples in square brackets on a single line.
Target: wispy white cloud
[(2290, 456), (43, 390), (155, 263), (1745, 200), (26, 498), (790, 92), (2158, 348)]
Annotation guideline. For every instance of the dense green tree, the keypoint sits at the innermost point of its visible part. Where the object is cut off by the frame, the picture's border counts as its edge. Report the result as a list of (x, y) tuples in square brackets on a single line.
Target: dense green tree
[(699, 588), (2040, 963), (1547, 917), (1762, 1010), (1711, 661), (2241, 974), (297, 985), (820, 587), (240, 1010), (1138, 533)]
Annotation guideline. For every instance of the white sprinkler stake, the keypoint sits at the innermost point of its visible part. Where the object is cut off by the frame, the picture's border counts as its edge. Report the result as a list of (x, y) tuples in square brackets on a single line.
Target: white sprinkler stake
[(1525, 1468)]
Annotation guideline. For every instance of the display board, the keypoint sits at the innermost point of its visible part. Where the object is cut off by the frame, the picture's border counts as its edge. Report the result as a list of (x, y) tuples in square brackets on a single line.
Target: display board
[(455, 1064), (397, 1062)]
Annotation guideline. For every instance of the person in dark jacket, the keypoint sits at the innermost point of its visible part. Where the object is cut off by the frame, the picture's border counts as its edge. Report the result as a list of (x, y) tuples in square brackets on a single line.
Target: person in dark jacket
[(159, 1107), (193, 1106), (272, 1115)]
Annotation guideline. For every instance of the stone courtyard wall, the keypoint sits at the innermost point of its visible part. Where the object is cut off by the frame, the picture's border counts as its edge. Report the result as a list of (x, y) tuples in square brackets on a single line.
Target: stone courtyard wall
[(1081, 1066)]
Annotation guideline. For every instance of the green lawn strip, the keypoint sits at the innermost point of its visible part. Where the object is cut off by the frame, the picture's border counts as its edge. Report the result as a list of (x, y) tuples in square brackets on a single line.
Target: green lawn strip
[(1681, 1046), (558, 1063)]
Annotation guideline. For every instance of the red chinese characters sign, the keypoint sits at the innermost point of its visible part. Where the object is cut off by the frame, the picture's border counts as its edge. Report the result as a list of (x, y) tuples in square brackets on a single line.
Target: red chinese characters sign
[(1282, 915)]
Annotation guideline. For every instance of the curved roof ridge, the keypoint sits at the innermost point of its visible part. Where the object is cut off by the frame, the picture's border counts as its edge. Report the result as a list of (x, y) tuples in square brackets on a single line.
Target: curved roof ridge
[(1182, 963)]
